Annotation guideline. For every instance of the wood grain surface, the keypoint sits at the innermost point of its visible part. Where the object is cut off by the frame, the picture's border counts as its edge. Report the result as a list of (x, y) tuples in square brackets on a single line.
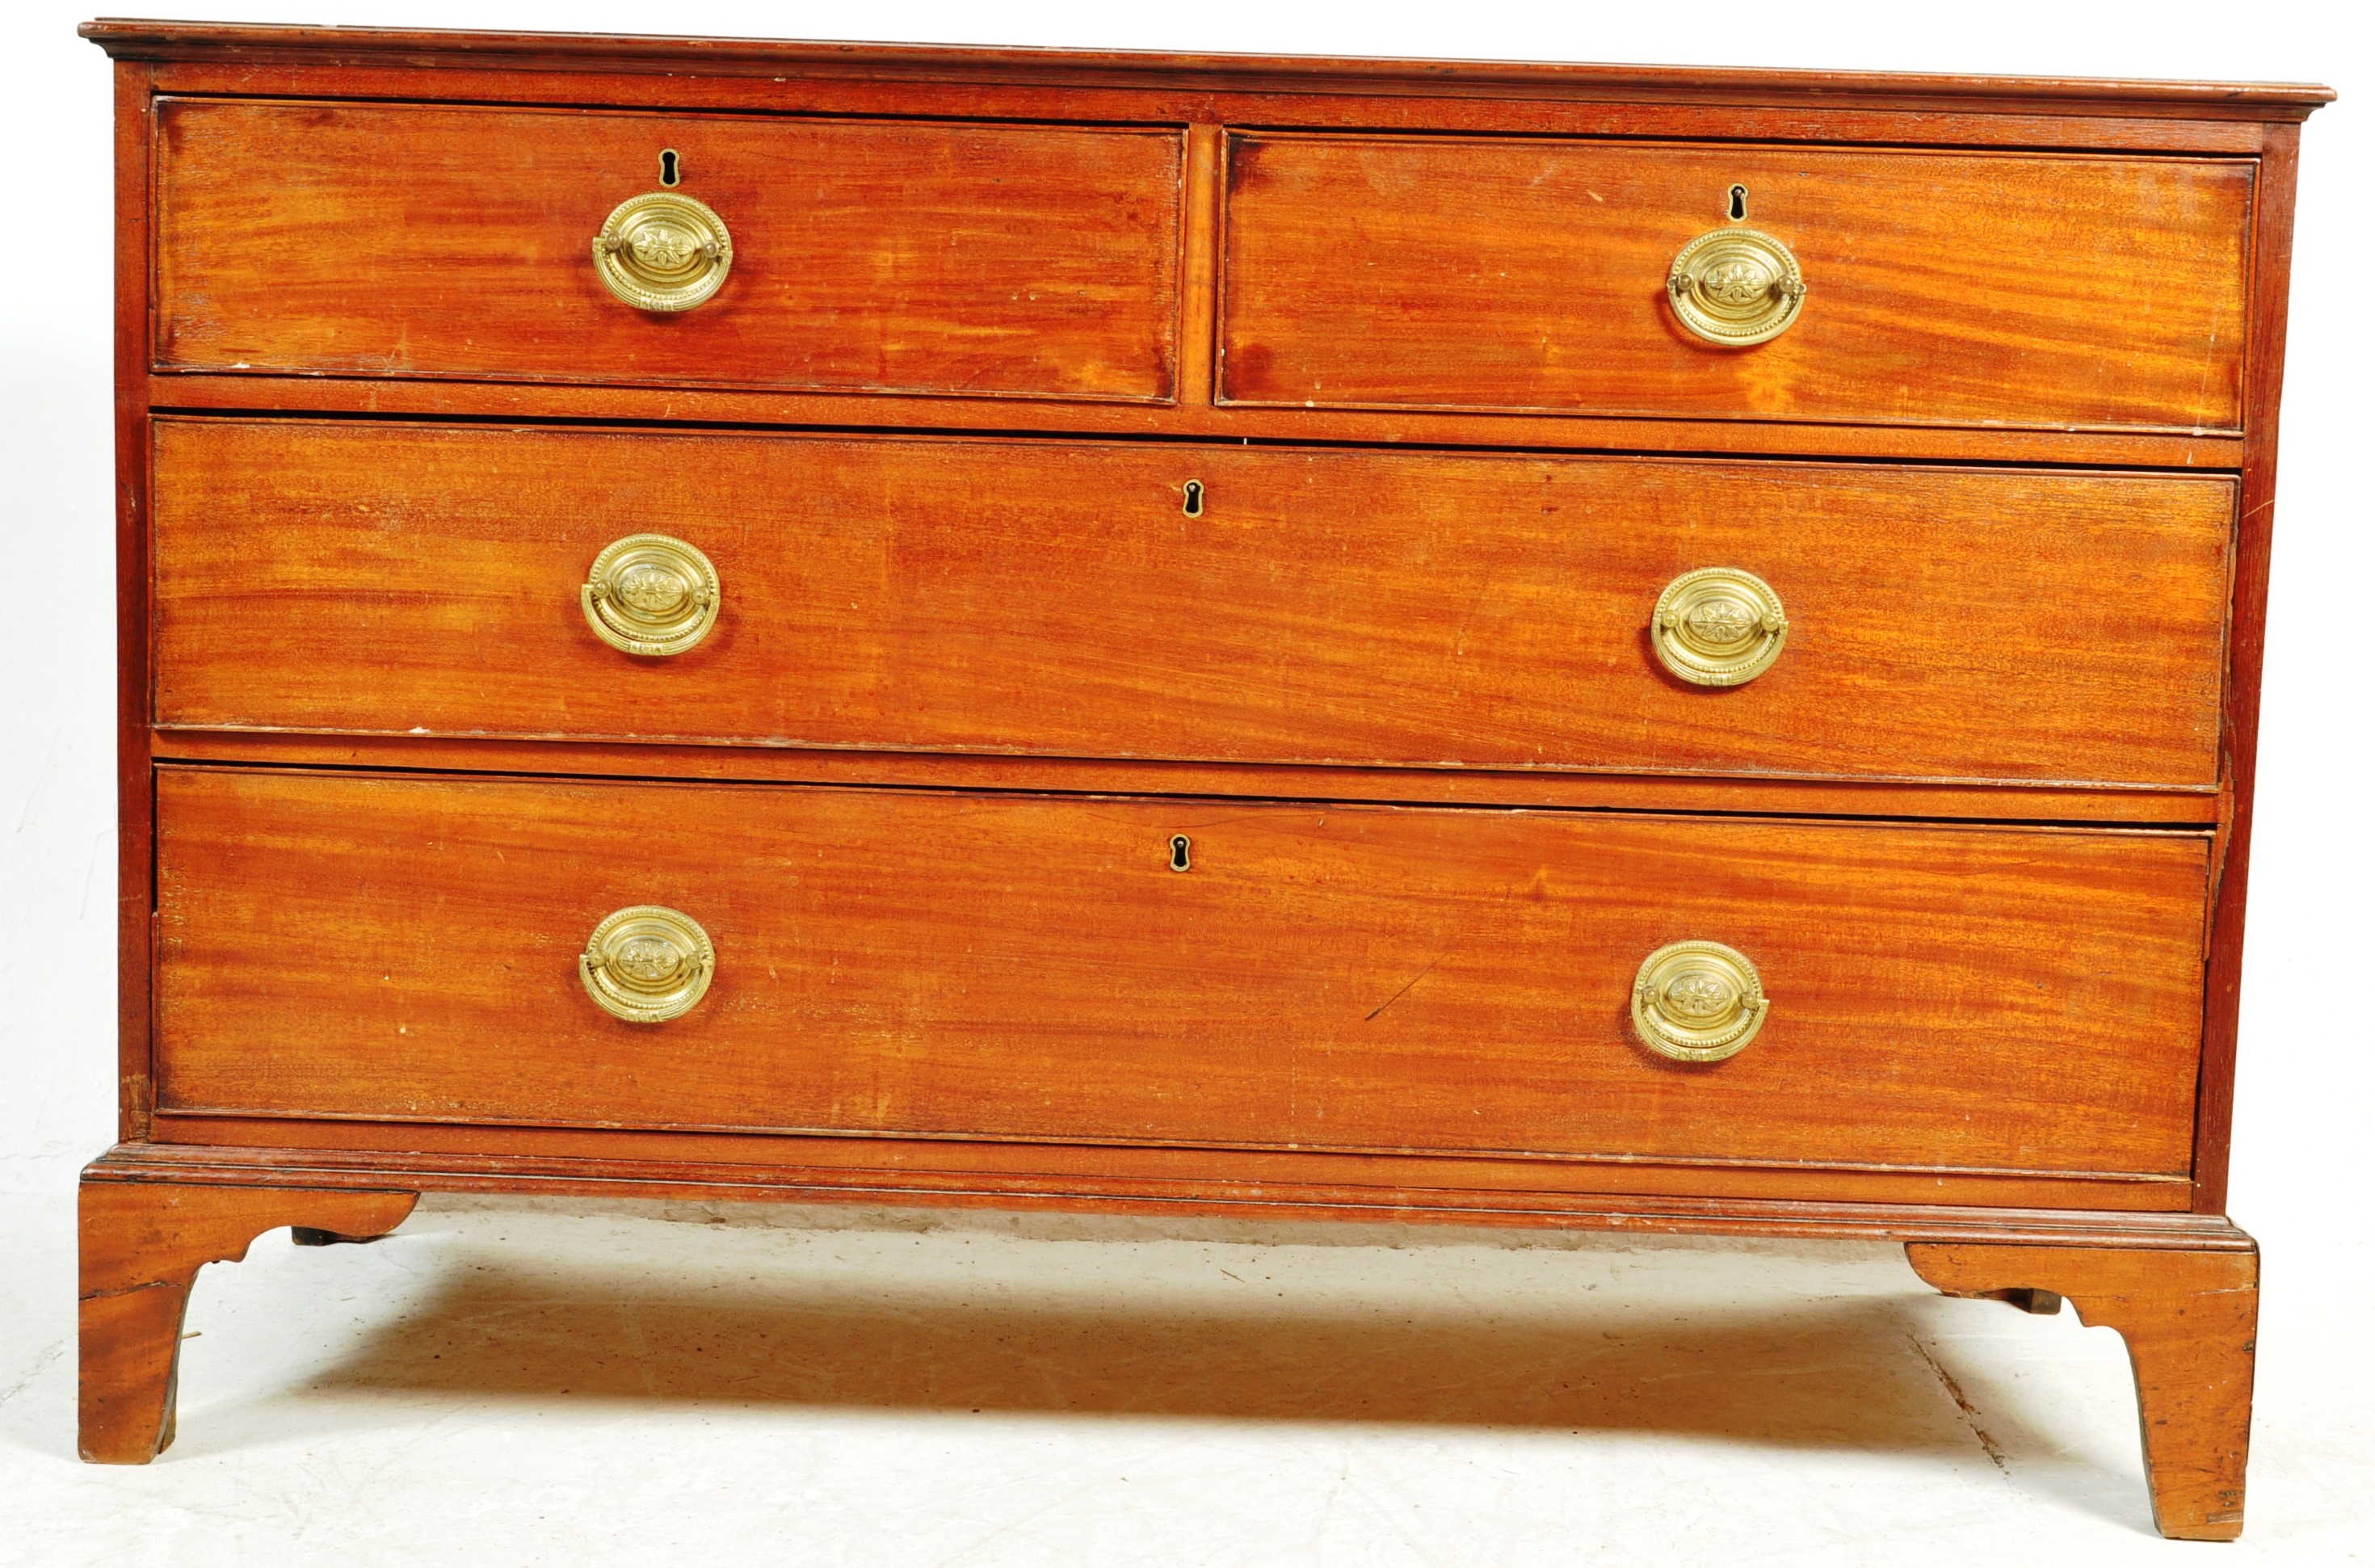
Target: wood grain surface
[(934, 91), (293, 1162), (1328, 607), (141, 1246), (519, 402), (910, 69), (2058, 805), (2255, 543), (926, 1165), (1942, 288), (1345, 977), (2191, 1319), (418, 241), (134, 780)]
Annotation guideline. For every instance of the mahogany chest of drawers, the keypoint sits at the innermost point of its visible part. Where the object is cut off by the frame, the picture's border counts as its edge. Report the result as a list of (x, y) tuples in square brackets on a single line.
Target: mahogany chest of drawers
[(1544, 646)]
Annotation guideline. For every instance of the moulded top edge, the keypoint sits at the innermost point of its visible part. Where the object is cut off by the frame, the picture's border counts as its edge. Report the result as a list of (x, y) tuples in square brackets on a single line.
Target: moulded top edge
[(131, 38)]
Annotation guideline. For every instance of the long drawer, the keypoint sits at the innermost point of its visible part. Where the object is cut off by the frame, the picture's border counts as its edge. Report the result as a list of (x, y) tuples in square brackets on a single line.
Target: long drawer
[(372, 240), (1175, 971), (1939, 288), (1422, 609)]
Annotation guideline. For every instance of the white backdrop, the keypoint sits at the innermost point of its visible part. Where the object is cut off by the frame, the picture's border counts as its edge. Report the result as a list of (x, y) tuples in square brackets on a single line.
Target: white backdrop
[(2308, 1065)]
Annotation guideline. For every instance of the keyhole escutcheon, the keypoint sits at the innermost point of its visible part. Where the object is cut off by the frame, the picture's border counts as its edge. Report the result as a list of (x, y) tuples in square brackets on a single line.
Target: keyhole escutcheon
[(1191, 500), (671, 168), (1179, 852), (1739, 203)]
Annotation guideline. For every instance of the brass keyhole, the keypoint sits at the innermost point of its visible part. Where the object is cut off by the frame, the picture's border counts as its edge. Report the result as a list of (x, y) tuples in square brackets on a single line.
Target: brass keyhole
[(1192, 502), (1179, 852), (671, 168), (1739, 209)]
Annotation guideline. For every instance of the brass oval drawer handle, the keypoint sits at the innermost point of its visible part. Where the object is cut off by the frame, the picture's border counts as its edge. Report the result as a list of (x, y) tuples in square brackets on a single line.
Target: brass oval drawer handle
[(1698, 1001), (1719, 626), (651, 594), (647, 964), (1736, 286), (663, 252)]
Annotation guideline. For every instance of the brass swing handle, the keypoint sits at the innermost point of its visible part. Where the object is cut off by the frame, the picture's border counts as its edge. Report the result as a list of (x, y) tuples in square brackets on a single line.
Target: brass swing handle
[(1698, 1001), (1736, 287), (663, 252), (646, 963), (651, 594), (1719, 626)]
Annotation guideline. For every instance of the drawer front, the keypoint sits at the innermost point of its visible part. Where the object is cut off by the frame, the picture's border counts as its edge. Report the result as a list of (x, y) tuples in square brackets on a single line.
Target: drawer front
[(1940, 288), (1399, 608), (374, 240), (1034, 968)]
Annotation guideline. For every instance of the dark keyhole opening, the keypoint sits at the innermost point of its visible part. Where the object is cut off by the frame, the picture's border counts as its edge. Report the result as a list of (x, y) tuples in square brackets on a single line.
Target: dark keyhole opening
[(1179, 852), (1193, 505), (1739, 203), (669, 167)]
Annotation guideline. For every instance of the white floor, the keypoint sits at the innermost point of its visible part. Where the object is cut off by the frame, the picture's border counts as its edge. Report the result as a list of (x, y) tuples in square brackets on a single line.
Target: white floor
[(591, 1385)]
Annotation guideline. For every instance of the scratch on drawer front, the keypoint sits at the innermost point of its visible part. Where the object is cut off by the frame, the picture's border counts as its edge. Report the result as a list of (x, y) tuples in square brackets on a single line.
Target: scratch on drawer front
[(1405, 990)]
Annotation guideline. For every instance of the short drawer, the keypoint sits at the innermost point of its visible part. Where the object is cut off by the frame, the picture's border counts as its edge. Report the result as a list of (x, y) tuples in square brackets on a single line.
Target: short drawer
[(1940, 288), (862, 256), (1056, 598), (1041, 968)]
